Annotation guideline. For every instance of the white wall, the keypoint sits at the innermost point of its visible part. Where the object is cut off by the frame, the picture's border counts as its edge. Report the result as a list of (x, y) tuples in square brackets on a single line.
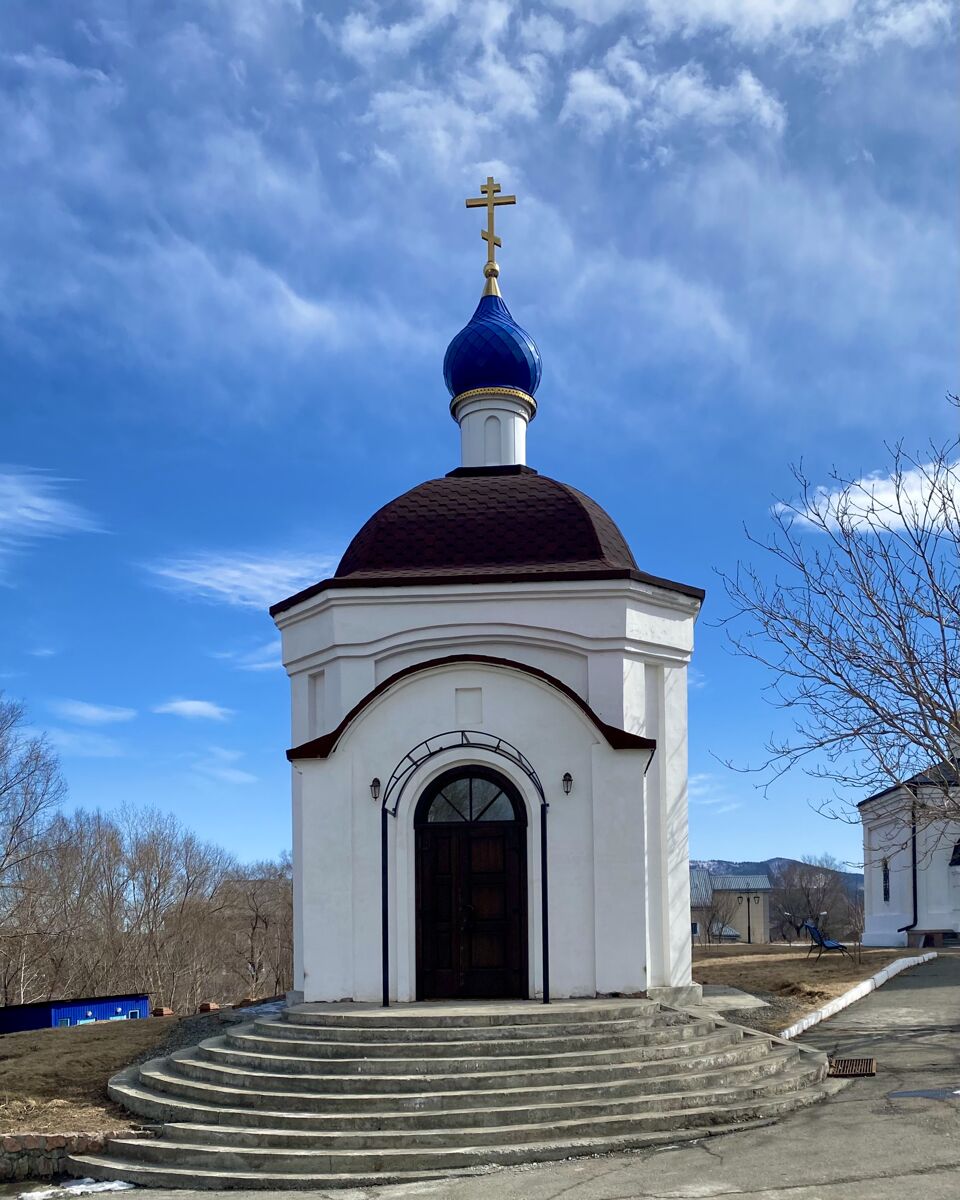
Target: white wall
[(597, 637), (618, 848), (887, 837), (597, 862)]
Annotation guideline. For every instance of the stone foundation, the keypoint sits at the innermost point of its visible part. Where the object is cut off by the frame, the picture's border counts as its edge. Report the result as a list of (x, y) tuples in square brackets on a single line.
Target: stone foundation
[(43, 1155)]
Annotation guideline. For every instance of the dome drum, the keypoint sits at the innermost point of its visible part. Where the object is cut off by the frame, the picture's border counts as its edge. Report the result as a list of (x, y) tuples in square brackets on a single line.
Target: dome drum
[(493, 425)]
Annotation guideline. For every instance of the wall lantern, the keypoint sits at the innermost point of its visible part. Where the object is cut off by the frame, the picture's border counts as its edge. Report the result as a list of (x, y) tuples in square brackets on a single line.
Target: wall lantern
[(567, 782), (375, 788), (739, 899)]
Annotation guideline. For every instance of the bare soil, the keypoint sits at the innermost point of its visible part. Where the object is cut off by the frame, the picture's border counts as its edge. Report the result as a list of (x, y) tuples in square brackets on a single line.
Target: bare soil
[(792, 983), (55, 1080)]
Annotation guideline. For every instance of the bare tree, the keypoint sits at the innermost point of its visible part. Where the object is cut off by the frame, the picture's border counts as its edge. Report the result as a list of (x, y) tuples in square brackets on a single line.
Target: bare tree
[(853, 917), (31, 788), (258, 916), (92, 903), (860, 626), (811, 890), (716, 916)]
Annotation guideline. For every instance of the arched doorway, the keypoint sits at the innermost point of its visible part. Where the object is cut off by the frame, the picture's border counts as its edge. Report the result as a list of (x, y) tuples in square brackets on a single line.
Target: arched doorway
[(471, 848)]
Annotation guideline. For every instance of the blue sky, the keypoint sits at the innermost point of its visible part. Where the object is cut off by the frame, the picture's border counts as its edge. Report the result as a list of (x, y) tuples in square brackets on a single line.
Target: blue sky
[(233, 249)]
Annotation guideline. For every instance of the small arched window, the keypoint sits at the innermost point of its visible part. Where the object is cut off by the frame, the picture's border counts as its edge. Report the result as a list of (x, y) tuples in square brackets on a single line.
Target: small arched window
[(886, 881), (492, 456), (471, 795)]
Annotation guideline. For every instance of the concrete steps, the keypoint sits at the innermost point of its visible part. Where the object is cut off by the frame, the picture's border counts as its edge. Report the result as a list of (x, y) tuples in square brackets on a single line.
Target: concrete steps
[(223, 1052), (352, 1096)]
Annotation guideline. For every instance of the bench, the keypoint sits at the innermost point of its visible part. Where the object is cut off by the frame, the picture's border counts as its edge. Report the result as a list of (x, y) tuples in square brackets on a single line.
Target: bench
[(819, 942), (918, 937)]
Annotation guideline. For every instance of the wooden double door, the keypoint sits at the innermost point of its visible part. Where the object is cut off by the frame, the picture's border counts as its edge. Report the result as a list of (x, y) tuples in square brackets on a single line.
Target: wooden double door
[(471, 858)]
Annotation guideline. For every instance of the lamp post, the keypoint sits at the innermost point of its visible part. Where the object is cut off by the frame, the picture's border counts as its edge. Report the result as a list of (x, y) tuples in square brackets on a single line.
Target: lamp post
[(740, 900)]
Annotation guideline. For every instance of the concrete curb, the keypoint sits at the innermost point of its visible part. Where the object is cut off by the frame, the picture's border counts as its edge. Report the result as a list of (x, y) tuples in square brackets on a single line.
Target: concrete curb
[(855, 993)]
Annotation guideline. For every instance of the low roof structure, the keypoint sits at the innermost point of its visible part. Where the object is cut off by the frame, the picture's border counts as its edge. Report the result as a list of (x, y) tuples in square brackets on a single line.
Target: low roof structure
[(946, 774), (741, 883), (701, 889)]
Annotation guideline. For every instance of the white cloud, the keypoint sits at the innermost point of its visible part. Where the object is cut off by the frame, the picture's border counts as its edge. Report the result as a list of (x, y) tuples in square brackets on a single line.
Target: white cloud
[(914, 23), (263, 658), (76, 744), (362, 39), (749, 22), (705, 791), (40, 62), (540, 31), (594, 101), (429, 122), (830, 268), (194, 710), (687, 95), (205, 297), (497, 87), (658, 102), (696, 679), (245, 580), (699, 784), (217, 764), (203, 261), (661, 297), (833, 26), (882, 502), (31, 507), (91, 714)]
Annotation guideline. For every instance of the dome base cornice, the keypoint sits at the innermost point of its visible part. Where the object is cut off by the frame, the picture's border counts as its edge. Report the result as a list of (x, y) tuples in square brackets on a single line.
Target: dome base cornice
[(492, 393)]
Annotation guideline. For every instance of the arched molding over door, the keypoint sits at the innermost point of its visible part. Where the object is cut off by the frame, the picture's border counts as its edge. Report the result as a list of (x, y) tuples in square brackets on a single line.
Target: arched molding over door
[(405, 770)]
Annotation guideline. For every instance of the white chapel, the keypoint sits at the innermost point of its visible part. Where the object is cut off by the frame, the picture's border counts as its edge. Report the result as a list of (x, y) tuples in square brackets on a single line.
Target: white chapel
[(489, 748), (911, 860)]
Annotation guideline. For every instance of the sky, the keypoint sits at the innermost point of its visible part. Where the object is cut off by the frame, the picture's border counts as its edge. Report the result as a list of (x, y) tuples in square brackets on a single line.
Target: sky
[(233, 249)]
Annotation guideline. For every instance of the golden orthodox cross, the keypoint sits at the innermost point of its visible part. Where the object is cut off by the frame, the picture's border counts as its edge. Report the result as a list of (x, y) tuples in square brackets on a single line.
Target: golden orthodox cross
[(489, 200)]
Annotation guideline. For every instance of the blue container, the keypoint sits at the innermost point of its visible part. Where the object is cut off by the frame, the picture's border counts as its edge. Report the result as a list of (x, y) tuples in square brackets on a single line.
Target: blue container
[(45, 1014)]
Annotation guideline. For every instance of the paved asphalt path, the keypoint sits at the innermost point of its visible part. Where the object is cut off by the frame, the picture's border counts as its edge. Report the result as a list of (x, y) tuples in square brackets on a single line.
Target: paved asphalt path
[(862, 1144)]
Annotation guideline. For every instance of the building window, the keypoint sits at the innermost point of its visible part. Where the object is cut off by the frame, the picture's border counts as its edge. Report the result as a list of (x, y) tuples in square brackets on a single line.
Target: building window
[(695, 928), (886, 882), (61, 1021), (470, 795)]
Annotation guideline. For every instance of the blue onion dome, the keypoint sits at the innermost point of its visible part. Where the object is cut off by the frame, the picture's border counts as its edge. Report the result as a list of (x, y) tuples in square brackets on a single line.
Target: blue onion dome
[(492, 351)]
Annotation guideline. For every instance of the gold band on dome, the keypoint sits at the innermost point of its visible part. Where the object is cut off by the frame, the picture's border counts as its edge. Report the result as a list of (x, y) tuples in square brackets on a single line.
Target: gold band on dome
[(512, 393)]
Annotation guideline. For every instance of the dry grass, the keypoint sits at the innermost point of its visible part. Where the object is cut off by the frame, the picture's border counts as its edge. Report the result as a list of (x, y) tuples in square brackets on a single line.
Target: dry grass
[(783, 975), (53, 1080)]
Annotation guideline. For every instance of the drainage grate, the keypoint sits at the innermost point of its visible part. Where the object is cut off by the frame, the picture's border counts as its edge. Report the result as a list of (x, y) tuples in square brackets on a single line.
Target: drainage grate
[(853, 1068)]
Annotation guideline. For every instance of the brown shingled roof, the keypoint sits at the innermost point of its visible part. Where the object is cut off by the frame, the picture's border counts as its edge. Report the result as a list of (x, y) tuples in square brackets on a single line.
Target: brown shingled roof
[(480, 524)]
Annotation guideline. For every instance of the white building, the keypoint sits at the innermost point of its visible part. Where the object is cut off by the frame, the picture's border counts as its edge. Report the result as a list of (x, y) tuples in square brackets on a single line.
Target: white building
[(490, 730), (911, 872)]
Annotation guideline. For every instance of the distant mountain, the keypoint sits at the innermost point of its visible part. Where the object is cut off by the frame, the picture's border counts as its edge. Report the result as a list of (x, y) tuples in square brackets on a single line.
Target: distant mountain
[(852, 880)]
